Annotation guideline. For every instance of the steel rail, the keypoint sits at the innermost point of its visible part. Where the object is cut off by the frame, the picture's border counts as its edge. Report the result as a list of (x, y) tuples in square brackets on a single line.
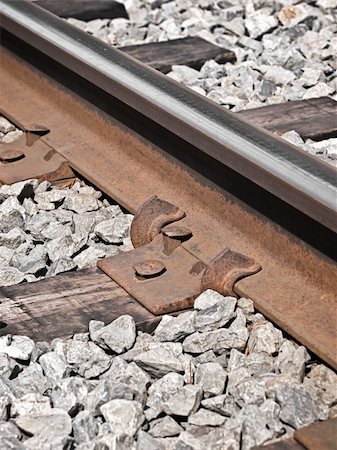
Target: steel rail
[(278, 167)]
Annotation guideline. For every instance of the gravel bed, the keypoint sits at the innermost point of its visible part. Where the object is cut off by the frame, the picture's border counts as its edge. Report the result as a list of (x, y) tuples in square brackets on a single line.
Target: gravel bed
[(8, 131), (45, 230), (286, 50), (217, 377)]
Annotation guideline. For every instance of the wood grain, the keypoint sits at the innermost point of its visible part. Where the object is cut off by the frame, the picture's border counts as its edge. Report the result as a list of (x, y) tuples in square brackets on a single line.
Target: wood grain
[(315, 118), (190, 51), (64, 305), (84, 9)]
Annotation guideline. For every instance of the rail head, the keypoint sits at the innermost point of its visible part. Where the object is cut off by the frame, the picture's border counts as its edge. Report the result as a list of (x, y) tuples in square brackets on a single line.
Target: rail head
[(277, 166)]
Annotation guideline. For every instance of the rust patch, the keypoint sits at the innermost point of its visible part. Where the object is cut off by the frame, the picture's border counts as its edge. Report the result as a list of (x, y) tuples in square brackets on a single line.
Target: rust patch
[(297, 286), (19, 161), (150, 218), (226, 269), (319, 435)]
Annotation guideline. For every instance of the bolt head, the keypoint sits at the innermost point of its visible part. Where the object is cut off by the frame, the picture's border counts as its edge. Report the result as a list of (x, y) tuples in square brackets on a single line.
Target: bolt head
[(149, 268)]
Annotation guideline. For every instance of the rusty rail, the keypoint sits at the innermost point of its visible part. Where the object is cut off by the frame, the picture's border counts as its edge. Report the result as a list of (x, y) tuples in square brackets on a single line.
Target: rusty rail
[(275, 165)]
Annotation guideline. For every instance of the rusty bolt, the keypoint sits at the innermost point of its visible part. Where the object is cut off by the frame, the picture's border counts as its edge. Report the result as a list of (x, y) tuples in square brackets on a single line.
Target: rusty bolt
[(149, 268), (176, 232), (11, 155)]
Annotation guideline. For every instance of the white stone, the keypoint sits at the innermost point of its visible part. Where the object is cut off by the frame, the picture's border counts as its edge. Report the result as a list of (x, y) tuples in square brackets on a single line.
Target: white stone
[(123, 416), (17, 347), (118, 336)]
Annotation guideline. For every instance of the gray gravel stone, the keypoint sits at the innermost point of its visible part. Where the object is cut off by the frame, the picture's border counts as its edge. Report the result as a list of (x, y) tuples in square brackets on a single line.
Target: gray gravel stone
[(87, 359), (146, 442), (211, 377), (222, 404), (113, 231), (53, 366), (30, 380), (207, 299), (30, 404), (158, 362), (165, 427), (265, 338), (204, 417), (185, 402), (298, 407), (13, 238), (88, 257), (162, 390), (216, 316), (80, 203), (10, 276), (50, 427), (17, 347), (175, 328), (124, 416), (84, 427), (5, 125), (118, 336), (70, 393)]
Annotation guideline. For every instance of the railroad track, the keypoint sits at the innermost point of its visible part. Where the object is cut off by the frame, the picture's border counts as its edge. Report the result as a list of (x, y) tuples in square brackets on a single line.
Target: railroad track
[(216, 178)]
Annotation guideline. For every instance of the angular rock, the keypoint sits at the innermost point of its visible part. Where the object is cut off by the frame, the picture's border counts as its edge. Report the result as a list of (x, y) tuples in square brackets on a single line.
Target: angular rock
[(13, 238), (165, 427), (185, 402), (51, 427), (53, 366), (11, 136), (222, 404), (52, 196), (158, 362), (211, 377), (113, 231), (215, 316), (246, 304), (123, 416), (87, 359), (5, 125), (30, 380), (30, 404), (219, 340), (254, 427), (259, 25), (208, 299), (265, 338), (60, 248), (146, 442), (17, 347), (259, 363), (10, 276), (298, 407), (204, 417), (162, 390), (84, 427), (118, 336), (7, 365), (88, 257), (249, 391), (175, 328), (8, 429), (70, 394), (279, 75), (320, 90), (61, 265), (80, 203), (291, 360)]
